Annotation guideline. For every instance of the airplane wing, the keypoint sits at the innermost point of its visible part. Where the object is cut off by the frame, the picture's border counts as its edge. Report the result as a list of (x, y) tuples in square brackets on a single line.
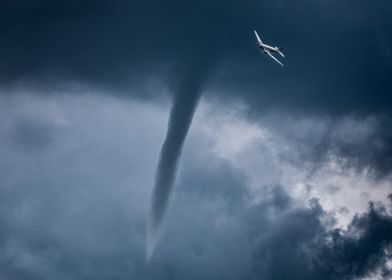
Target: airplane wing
[(274, 58), (258, 38)]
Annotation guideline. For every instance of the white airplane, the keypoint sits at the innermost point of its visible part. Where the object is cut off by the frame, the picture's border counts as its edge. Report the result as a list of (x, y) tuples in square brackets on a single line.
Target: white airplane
[(269, 49)]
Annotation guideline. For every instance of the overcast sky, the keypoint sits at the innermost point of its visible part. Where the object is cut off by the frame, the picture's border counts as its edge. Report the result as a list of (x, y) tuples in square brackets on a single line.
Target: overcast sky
[(285, 173)]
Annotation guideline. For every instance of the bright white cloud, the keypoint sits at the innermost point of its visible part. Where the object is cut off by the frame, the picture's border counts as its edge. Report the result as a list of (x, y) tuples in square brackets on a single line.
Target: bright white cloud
[(269, 155)]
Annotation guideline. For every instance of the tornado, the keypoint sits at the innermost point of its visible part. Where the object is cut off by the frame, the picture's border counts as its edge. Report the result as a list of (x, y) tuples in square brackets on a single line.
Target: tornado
[(187, 92)]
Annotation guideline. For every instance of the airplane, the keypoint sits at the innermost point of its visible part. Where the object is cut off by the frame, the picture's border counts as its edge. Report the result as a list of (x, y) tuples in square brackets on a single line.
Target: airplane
[(269, 49)]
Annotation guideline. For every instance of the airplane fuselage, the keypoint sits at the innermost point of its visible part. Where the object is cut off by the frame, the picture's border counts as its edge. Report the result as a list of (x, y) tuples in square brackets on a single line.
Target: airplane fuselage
[(268, 47)]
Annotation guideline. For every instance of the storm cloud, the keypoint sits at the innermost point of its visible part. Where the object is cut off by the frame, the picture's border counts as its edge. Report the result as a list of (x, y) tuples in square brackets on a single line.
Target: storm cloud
[(286, 173), (338, 54), (77, 207)]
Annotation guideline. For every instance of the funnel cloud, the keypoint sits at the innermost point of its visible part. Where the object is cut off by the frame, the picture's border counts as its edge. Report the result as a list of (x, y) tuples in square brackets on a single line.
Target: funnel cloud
[(186, 97)]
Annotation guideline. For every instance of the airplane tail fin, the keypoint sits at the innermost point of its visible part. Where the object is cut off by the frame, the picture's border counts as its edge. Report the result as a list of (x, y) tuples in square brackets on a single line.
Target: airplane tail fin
[(280, 51)]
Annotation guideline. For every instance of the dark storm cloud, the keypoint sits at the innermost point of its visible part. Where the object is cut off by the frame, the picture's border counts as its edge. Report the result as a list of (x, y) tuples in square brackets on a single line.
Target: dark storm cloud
[(274, 239), (298, 246), (105, 42), (67, 212), (338, 54), (365, 248)]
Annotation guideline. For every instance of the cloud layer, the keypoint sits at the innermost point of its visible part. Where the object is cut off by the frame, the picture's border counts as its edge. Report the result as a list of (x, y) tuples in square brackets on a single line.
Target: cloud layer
[(338, 55), (74, 202)]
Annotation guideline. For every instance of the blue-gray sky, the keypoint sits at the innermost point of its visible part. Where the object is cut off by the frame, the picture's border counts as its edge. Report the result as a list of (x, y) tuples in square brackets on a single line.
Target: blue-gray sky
[(285, 173)]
